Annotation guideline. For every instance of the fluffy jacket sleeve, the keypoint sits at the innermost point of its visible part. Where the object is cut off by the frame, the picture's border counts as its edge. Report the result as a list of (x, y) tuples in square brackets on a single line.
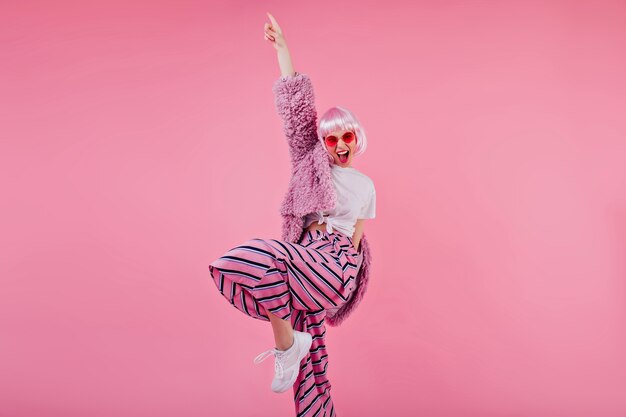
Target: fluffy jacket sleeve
[(310, 187), (295, 103)]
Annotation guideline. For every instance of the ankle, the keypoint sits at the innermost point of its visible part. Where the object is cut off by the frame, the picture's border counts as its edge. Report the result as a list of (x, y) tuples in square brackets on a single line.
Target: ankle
[(286, 345)]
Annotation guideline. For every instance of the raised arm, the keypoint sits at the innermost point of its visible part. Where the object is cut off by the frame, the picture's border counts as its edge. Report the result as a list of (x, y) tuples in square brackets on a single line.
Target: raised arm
[(274, 34), (293, 96)]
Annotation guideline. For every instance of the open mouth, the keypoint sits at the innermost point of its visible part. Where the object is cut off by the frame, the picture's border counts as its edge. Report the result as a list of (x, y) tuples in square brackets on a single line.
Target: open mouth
[(343, 156)]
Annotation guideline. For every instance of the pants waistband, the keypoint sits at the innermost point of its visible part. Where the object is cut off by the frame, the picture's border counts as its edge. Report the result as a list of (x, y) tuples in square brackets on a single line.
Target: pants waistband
[(317, 233)]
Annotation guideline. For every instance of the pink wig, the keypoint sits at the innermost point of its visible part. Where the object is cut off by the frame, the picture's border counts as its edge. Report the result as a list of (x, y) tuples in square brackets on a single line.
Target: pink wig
[(339, 118)]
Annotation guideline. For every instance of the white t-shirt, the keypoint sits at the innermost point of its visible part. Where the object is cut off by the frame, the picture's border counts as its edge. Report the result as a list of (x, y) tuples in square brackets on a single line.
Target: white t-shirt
[(356, 199)]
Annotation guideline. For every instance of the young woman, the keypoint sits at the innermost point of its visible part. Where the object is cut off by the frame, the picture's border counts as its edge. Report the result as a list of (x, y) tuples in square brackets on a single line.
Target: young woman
[(313, 273)]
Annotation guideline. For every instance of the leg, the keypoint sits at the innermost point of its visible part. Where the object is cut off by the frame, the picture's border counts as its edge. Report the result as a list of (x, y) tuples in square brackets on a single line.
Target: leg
[(269, 275), (312, 389), (283, 331), (263, 275)]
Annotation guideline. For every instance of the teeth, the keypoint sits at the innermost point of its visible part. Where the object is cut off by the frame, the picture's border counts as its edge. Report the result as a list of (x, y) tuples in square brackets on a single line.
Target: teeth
[(342, 153)]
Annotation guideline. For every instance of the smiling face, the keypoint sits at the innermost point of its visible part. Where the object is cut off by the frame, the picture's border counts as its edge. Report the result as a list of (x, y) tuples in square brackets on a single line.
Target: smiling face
[(339, 141)]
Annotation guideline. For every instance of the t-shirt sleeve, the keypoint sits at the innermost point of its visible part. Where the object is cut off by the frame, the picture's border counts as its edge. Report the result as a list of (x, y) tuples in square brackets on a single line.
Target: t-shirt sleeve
[(368, 211)]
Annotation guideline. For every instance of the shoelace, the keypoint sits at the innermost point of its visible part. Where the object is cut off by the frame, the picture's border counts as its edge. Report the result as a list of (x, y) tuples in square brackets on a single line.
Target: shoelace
[(278, 364)]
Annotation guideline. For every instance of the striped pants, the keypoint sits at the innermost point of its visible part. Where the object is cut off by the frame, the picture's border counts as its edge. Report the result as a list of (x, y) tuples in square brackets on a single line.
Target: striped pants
[(297, 282)]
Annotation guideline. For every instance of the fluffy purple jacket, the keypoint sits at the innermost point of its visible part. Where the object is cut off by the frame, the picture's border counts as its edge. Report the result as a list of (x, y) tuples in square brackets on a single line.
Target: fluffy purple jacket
[(310, 188)]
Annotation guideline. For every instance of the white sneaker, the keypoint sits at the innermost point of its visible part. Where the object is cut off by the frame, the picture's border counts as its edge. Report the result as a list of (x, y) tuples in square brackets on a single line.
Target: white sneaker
[(287, 362)]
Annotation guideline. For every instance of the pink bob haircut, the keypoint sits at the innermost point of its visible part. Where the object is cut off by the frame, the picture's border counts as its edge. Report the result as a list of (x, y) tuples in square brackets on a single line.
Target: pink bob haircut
[(339, 118)]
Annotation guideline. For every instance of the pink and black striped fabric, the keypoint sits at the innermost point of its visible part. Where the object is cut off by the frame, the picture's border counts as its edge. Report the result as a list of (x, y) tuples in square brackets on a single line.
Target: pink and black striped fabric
[(298, 282)]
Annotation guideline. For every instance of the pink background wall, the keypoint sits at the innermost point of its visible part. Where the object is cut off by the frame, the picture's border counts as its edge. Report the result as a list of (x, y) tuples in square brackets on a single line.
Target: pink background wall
[(140, 141)]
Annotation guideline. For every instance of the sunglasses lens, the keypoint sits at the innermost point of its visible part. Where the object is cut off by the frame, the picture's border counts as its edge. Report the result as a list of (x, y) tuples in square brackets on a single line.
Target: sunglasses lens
[(348, 137), (331, 141)]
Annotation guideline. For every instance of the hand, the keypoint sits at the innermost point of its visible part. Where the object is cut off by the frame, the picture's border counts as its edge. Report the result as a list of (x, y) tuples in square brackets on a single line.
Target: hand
[(274, 34)]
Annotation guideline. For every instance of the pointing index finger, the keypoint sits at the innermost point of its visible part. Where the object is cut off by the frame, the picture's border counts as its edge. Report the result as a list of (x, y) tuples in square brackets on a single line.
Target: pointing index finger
[(274, 22)]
